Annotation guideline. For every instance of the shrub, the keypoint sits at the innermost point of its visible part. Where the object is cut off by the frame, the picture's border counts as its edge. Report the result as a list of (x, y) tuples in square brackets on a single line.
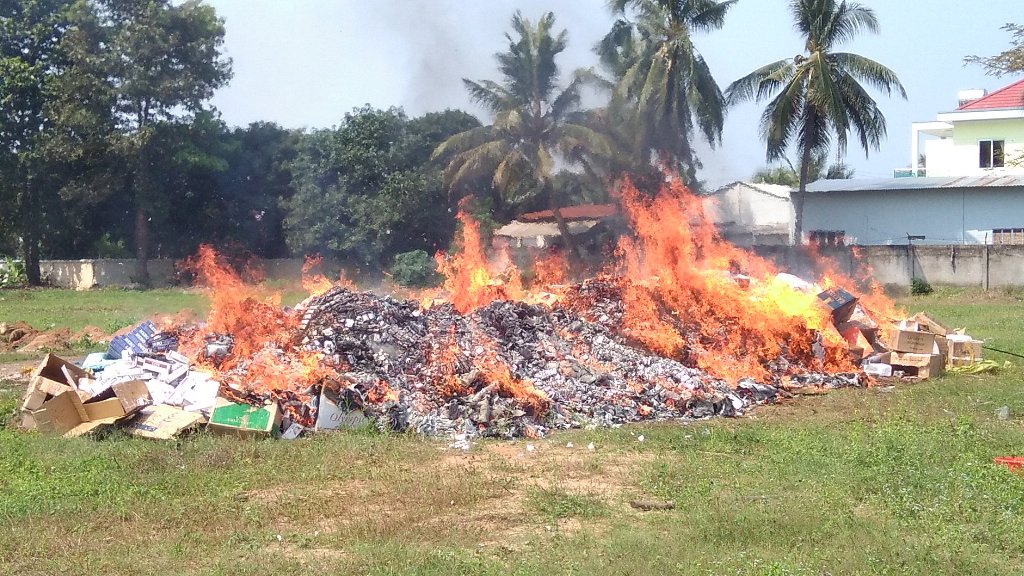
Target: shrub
[(919, 287), (415, 268), (12, 274)]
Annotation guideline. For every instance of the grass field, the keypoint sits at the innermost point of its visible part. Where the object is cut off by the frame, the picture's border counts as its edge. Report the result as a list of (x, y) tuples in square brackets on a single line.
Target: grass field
[(878, 481)]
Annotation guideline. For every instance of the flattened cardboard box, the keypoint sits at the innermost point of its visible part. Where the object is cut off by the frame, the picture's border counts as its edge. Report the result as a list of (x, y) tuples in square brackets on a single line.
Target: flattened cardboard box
[(244, 420), (161, 422)]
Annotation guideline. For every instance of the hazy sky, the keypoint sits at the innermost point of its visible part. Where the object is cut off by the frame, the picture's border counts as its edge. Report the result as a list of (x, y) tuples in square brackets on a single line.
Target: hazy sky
[(304, 63)]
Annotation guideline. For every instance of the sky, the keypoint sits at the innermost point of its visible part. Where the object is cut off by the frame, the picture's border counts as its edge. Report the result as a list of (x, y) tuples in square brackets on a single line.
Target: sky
[(305, 63)]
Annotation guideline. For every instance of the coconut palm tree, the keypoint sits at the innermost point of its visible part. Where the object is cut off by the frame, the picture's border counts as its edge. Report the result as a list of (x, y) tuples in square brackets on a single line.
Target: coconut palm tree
[(532, 129), (660, 73), (820, 95)]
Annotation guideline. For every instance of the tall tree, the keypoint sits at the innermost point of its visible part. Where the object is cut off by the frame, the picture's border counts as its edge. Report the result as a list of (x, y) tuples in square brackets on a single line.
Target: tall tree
[(820, 95), (366, 190), (660, 72), (1009, 61), (531, 127), (30, 65), (164, 61)]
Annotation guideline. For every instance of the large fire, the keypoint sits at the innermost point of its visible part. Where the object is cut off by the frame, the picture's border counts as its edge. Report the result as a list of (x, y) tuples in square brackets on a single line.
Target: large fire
[(685, 294)]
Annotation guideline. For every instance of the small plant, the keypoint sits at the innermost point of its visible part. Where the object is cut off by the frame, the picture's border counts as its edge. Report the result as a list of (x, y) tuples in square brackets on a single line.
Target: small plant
[(12, 274), (414, 268), (920, 287)]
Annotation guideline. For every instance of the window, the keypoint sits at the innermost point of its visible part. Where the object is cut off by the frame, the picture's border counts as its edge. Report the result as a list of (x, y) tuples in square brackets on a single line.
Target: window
[(991, 154), (827, 237), (1008, 236)]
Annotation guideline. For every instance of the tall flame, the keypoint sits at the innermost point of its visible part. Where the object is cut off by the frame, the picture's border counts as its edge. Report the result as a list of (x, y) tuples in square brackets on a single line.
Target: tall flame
[(471, 279)]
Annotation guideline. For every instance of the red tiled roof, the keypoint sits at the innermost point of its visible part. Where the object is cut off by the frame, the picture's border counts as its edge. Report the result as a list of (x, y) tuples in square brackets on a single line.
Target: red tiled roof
[(582, 212), (1011, 96)]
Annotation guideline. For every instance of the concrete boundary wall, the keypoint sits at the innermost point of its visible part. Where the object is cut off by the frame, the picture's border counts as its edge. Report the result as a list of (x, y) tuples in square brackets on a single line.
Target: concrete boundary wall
[(984, 266), (956, 265)]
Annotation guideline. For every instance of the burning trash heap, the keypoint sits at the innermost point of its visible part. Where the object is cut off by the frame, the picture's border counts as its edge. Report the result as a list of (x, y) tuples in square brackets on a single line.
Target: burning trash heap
[(683, 326)]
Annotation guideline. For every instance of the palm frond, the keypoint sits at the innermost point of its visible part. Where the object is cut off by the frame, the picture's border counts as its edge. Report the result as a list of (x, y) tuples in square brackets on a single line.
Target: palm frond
[(760, 83), (475, 163), (867, 70), (463, 141), (709, 15)]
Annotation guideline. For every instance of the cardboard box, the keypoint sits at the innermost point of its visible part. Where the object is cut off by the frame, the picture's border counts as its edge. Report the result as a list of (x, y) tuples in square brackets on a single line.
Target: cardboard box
[(926, 323), (840, 302), (66, 413), (52, 377), (334, 412), (899, 340), (920, 365), (964, 347), (244, 420), (161, 422)]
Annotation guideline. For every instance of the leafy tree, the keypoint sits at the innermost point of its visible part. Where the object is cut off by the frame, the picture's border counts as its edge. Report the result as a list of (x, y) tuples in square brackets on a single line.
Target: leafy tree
[(163, 61), (819, 95), (247, 210), (367, 190), (660, 73), (30, 64), (1009, 61), (532, 126)]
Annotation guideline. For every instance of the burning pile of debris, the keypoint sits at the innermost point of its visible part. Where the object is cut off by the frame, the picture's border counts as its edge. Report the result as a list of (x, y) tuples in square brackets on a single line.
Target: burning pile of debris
[(686, 326)]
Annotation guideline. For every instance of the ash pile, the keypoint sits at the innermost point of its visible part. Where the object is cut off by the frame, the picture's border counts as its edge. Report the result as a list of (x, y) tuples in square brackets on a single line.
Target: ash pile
[(513, 369)]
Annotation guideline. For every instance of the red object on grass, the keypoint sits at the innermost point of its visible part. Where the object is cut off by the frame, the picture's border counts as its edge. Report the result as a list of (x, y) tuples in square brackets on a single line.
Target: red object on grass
[(1012, 462)]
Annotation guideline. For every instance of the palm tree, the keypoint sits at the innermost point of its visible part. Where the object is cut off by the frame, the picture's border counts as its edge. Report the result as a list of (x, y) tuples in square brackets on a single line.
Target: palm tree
[(532, 128), (819, 169), (661, 74), (820, 95)]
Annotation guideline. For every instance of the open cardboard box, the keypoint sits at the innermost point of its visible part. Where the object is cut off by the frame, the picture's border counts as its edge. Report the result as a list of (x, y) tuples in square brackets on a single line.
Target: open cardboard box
[(53, 376), (67, 414)]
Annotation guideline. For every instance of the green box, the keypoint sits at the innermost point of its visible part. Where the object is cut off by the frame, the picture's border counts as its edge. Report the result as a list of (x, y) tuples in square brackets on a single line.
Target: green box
[(245, 420)]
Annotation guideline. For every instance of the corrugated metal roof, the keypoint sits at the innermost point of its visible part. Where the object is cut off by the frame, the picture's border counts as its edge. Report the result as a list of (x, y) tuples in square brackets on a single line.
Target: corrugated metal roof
[(580, 212), (932, 183), (517, 229), (776, 190), (1011, 96)]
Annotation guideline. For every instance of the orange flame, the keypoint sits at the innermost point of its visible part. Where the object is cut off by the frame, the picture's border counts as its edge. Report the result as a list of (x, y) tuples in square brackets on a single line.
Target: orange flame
[(260, 328), (470, 279)]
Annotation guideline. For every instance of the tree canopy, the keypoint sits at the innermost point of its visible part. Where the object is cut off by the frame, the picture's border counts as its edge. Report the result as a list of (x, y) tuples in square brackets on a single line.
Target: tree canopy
[(1009, 61)]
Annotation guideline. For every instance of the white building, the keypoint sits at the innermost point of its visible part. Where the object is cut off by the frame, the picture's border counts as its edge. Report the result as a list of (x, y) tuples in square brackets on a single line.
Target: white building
[(983, 137), (970, 192), (748, 214)]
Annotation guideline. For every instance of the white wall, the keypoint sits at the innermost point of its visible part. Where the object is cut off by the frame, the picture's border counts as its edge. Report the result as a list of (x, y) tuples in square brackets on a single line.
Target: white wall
[(746, 211), (943, 216)]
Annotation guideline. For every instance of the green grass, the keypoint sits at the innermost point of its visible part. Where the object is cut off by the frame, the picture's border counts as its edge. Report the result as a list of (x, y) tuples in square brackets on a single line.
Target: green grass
[(878, 481), (109, 309)]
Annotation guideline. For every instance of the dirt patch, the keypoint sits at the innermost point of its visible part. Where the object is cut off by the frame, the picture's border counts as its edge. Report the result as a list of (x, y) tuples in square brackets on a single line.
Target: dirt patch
[(21, 337), (17, 371)]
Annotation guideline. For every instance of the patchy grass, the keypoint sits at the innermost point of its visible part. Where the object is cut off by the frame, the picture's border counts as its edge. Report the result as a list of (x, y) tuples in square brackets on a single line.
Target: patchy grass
[(880, 481)]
